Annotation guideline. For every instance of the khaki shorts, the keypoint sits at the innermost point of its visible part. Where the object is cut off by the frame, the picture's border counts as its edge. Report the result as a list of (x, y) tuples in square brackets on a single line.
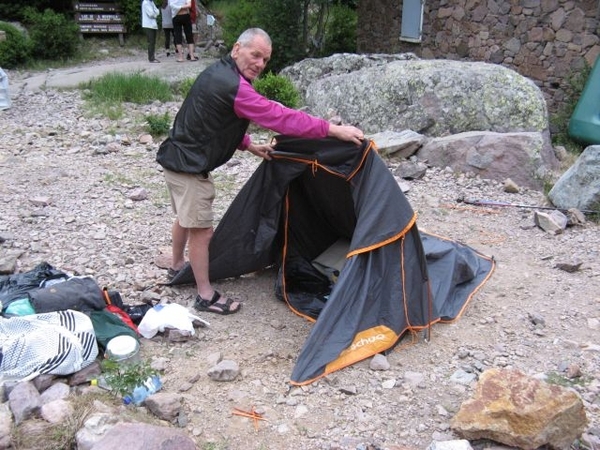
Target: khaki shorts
[(191, 198)]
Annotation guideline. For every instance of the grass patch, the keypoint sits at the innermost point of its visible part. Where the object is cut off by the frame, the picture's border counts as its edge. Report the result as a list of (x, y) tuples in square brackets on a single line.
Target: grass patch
[(158, 124), (227, 185), (560, 380), (114, 88), (183, 88), (42, 435), (161, 197), (215, 446), (112, 111), (119, 179)]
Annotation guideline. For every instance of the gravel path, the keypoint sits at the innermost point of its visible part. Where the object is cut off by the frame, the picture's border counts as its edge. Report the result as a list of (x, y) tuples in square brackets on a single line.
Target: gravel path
[(84, 194)]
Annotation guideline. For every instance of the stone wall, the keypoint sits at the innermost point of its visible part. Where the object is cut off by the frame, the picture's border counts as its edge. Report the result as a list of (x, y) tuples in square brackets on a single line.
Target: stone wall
[(545, 40)]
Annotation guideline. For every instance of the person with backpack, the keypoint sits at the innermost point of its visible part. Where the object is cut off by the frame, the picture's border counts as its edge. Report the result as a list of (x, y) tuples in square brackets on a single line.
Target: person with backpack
[(209, 127)]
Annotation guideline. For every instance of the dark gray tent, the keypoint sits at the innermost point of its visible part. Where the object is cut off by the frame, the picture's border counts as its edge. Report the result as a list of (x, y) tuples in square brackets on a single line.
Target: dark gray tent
[(331, 218)]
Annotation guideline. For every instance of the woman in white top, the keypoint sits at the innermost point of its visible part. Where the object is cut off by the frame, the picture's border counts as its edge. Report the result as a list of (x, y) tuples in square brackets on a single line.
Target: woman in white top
[(149, 14)]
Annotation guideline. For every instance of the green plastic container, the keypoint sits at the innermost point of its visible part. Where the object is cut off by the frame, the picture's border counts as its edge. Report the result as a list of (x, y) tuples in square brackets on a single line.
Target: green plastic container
[(584, 125)]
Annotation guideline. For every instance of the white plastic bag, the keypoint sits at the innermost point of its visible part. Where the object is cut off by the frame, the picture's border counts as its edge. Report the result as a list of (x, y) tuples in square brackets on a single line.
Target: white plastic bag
[(170, 315)]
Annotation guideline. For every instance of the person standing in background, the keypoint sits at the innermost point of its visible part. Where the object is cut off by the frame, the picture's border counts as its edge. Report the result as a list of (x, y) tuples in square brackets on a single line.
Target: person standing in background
[(194, 20), (167, 25), (182, 24), (149, 14)]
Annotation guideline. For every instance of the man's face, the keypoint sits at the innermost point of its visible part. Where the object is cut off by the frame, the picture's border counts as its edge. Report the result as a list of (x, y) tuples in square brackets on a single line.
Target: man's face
[(252, 58)]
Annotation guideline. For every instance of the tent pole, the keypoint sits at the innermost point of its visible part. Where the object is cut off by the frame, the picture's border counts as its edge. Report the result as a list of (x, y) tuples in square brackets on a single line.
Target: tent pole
[(480, 202)]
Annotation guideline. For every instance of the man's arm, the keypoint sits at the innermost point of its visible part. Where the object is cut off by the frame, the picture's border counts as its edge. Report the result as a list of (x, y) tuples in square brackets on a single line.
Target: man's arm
[(271, 115), (250, 105)]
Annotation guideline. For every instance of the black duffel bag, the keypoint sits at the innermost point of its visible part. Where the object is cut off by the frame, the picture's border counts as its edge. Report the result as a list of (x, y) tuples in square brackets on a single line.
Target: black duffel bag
[(77, 293)]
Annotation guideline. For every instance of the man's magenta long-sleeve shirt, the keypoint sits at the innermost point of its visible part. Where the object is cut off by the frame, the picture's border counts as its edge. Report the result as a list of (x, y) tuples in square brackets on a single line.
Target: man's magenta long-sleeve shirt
[(271, 115)]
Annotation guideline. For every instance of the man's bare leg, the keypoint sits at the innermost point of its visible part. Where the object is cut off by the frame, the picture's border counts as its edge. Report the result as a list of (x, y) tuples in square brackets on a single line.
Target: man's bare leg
[(199, 238), (179, 237), (198, 241)]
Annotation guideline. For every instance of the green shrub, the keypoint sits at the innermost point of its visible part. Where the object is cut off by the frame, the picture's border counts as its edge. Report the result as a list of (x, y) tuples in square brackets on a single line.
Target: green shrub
[(282, 20), (241, 16), (16, 49), (131, 10), (135, 88), (278, 88), (158, 124), (123, 378), (279, 18), (54, 36), (13, 10), (559, 120), (340, 33)]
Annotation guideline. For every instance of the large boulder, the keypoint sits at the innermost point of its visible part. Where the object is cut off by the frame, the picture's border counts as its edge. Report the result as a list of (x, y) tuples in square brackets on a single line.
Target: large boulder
[(520, 411), (579, 186), (523, 157), (309, 70), (477, 117), (432, 97), (142, 436)]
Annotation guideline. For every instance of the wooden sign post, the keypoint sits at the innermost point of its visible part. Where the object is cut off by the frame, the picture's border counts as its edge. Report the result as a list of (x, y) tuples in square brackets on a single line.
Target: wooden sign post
[(100, 17)]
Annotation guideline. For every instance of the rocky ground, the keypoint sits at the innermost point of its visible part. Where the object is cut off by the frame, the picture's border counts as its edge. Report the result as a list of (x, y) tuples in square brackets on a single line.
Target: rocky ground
[(81, 192)]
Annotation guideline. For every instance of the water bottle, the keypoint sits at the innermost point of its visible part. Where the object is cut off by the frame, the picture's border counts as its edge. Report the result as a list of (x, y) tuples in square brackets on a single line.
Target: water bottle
[(143, 391)]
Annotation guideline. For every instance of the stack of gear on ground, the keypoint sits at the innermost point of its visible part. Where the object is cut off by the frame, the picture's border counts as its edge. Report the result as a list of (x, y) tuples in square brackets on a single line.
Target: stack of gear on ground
[(56, 323)]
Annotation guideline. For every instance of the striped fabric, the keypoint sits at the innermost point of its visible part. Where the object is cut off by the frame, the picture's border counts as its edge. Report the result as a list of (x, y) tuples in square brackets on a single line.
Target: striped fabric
[(58, 343)]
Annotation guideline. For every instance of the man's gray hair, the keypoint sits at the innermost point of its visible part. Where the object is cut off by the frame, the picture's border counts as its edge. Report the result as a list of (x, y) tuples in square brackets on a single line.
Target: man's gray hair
[(247, 36)]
